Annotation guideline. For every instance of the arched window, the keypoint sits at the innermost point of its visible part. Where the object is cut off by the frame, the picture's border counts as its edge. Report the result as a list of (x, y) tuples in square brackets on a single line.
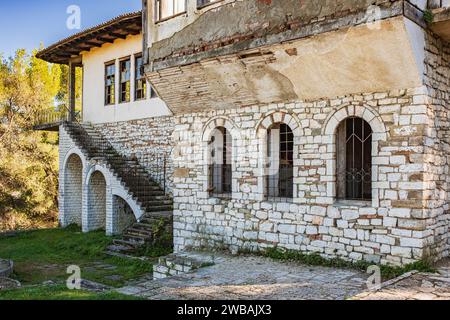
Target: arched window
[(219, 170), (354, 160), (280, 165)]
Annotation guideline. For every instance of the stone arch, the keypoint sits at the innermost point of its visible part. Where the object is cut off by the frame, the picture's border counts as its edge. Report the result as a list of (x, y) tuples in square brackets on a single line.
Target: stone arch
[(278, 117), (379, 133), (366, 113), (220, 122), (208, 131), (123, 214), (137, 211), (72, 184), (270, 120), (96, 200)]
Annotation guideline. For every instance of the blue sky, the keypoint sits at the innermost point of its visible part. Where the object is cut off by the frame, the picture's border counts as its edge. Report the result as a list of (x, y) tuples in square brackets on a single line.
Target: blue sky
[(27, 23)]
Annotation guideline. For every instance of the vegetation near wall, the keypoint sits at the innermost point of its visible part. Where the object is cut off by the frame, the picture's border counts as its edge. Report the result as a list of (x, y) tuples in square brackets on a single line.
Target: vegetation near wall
[(28, 159)]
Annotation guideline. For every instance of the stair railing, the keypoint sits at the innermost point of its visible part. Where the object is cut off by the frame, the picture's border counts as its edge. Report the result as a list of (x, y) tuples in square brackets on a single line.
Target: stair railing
[(141, 181)]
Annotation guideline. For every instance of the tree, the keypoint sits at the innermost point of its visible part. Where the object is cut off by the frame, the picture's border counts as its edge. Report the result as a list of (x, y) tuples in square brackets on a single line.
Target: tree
[(28, 159)]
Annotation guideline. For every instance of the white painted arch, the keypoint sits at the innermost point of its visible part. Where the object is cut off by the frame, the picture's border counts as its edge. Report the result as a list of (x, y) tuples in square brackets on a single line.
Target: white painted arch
[(366, 113), (119, 192)]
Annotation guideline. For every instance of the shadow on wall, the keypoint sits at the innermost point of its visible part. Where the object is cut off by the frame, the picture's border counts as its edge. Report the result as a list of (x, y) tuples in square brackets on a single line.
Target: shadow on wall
[(124, 214)]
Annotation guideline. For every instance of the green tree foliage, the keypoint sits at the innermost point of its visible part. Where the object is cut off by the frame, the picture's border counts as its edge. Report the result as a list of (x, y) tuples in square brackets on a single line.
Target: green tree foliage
[(28, 159)]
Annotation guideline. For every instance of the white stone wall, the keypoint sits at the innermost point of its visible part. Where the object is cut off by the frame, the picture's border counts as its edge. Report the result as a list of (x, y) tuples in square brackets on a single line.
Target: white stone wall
[(392, 229), (406, 220), (97, 209), (437, 144), (150, 140)]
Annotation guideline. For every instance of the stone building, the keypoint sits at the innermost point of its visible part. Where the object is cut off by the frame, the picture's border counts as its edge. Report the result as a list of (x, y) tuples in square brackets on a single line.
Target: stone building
[(318, 126)]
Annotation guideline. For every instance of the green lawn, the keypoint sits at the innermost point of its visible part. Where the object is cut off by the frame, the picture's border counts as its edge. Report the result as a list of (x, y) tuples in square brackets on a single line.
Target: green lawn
[(60, 292), (44, 255)]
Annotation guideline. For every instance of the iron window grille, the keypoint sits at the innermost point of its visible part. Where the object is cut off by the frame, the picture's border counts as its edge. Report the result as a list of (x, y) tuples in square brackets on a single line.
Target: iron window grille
[(166, 9), (220, 170), (125, 76), (354, 160), (280, 168), (110, 83)]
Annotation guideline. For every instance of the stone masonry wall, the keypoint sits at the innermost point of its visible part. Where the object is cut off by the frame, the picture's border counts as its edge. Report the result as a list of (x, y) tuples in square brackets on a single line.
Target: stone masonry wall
[(389, 230), (97, 201), (437, 143), (96, 189), (150, 140)]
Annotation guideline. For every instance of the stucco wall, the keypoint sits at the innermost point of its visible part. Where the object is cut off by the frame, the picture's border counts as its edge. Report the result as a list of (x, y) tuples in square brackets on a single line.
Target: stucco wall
[(94, 109)]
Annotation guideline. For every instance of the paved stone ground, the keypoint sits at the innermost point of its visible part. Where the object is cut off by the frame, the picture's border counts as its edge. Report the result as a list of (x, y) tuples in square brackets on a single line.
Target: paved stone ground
[(418, 286), (248, 278)]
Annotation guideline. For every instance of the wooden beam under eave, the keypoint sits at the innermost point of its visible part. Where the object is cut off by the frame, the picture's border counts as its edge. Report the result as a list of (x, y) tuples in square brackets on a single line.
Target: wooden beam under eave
[(118, 35), (104, 39), (94, 44)]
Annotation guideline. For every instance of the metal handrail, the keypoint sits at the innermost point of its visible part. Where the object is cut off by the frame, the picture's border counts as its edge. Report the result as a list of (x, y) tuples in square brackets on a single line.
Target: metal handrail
[(140, 173)]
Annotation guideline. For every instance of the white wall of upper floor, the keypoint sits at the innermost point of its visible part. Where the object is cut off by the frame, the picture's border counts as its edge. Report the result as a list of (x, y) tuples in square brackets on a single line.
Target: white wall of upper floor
[(94, 108)]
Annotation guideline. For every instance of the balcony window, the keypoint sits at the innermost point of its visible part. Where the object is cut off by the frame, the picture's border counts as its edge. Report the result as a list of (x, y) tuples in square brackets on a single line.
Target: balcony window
[(165, 9), (141, 82), (110, 83), (125, 66)]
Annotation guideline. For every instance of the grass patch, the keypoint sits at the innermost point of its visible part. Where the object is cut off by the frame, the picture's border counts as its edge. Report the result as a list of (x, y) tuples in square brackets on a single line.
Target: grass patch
[(387, 272), (44, 255), (60, 292)]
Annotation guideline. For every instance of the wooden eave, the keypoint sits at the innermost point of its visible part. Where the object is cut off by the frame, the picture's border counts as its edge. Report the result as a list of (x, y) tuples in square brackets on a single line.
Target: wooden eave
[(118, 28)]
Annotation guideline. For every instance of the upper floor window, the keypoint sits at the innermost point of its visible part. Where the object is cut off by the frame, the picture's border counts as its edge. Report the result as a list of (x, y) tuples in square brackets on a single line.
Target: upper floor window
[(110, 83), (354, 160), (125, 75), (202, 3), (280, 152), (219, 171), (141, 82), (167, 8)]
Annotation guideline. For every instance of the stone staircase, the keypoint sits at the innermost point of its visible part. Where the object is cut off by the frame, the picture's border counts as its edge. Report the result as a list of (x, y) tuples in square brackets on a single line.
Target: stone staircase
[(150, 196), (154, 228)]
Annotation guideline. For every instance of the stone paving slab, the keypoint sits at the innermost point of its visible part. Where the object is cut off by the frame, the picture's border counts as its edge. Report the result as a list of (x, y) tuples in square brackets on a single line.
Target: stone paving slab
[(248, 278), (417, 286)]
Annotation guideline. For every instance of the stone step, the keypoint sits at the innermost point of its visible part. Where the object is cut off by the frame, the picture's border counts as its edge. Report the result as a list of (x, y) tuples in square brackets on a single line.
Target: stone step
[(131, 245), (140, 231), (119, 248), (135, 238), (158, 208)]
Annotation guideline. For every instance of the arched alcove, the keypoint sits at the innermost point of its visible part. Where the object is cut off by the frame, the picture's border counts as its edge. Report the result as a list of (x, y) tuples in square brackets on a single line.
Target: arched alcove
[(97, 201), (73, 186)]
